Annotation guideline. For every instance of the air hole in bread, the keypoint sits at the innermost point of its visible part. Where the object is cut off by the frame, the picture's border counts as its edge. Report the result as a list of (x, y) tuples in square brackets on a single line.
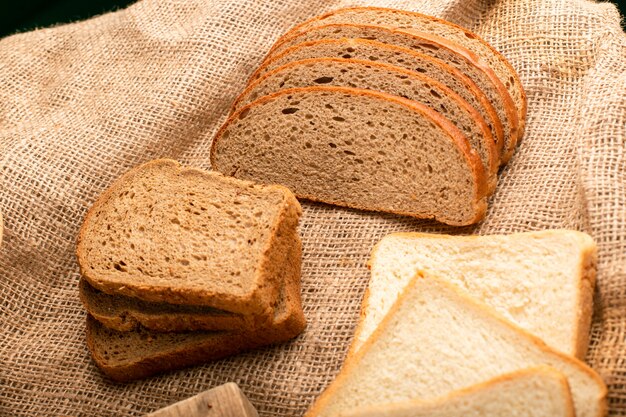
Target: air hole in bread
[(339, 119), (174, 220), (329, 106), (332, 145), (373, 58), (422, 70), (428, 46), (350, 49), (308, 145), (290, 110), (369, 38), (346, 56), (470, 35), (347, 152), (322, 80), (434, 93), (244, 113), (184, 262)]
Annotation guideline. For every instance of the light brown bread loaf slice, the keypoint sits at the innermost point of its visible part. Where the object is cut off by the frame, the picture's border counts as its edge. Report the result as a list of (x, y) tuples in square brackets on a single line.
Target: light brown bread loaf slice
[(356, 148), (164, 233), (542, 281), (451, 53), (533, 392), (428, 24), (436, 340), (394, 55), (125, 356), (387, 79)]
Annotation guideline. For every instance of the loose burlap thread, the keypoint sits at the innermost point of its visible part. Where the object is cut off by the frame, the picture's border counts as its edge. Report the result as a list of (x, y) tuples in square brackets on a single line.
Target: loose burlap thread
[(82, 103)]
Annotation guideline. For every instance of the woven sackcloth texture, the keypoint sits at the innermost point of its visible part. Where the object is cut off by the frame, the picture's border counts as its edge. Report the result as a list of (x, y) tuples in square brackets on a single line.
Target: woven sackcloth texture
[(82, 103)]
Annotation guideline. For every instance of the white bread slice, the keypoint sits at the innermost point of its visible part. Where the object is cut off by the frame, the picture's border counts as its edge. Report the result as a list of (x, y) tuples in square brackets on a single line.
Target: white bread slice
[(406, 58), (356, 148), (429, 24), (177, 235), (437, 339), (533, 392), (542, 281), (388, 79), (452, 53)]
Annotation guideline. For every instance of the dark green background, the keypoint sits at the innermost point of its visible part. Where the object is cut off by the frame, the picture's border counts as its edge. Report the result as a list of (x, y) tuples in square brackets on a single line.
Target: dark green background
[(29, 14)]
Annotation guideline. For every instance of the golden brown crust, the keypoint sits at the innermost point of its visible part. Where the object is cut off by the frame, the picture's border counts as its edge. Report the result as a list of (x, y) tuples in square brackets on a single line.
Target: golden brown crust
[(480, 188), (311, 22), (588, 264), (352, 360), (488, 140), (462, 78), (259, 302)]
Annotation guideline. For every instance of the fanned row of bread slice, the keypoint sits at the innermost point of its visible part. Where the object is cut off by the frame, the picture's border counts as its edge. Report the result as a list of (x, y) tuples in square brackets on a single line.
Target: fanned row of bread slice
[(488, 326), (378, 109)]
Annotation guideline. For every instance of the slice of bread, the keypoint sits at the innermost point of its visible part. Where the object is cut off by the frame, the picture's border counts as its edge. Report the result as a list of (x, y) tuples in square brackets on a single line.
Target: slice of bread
[(125, 356), (163, 233), (364, 49), (451, 53), (428, 24), (533, 392), (388, 79), (356, 148), (436, 339), (542, 281)]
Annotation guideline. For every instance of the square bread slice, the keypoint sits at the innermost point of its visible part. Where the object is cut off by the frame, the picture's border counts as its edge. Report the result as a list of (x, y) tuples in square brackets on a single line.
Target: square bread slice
[(436, 339), (427, 24), (126, 356), (533, 392), (356, 148), (163, 233), (541, 281)]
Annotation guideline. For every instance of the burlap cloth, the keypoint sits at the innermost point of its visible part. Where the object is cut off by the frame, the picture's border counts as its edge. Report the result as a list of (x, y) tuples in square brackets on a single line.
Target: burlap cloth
[(82, 103)]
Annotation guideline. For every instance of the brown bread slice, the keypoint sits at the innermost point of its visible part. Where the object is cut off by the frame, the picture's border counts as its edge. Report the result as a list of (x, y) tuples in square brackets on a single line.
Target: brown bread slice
[(388, 79), (394, 55), (164, 233), (125, 356), (356, 148), (428, 24), (452, 53)]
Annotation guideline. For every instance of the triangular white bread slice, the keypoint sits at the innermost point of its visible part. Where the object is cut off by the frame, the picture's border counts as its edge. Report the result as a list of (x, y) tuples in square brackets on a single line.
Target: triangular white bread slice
[(394, 55), (356, 148), (452, 53), (429, 24), (542, 281), (533, 392), (388, 79), (437, 339)]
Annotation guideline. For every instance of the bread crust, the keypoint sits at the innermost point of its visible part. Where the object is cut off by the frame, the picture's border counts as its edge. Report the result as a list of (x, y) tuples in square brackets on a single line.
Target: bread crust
[(352, 359), (488, 140), (260, 301), (480, 189), (522, 112), (216, 345)]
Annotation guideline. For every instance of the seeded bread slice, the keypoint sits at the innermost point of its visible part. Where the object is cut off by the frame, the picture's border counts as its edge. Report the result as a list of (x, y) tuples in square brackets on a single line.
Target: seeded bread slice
[(364, 49), (125, 356), (388, 79), (534, 392), (428, 24), (542, 281), (452, 53), (163, 233), (436, 340), (356, 148)]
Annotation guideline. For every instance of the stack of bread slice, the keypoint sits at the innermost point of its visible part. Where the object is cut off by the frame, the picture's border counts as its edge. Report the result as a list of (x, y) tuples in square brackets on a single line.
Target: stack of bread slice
[(181, 266), (378, 109), (449, 324)]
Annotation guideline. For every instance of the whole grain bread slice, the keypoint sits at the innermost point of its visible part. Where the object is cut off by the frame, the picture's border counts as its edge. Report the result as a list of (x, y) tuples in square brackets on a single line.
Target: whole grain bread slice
[(388, 79), (164, 233), (126, 356), (452, 53), (356, 148), (542, 281), (403, 19), (436, 339), (535, 392), (406, 58)]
